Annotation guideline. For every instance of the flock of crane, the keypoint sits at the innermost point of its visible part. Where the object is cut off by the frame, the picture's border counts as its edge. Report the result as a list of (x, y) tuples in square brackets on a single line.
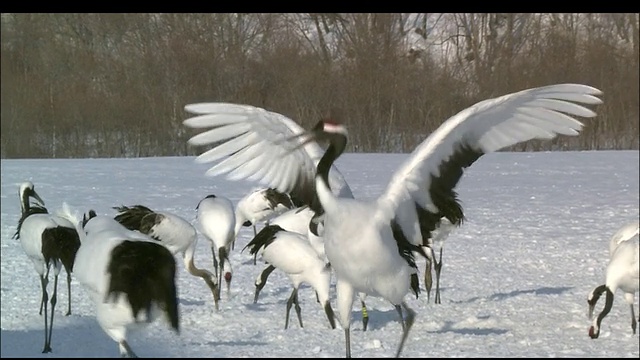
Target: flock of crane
[(315, 228)]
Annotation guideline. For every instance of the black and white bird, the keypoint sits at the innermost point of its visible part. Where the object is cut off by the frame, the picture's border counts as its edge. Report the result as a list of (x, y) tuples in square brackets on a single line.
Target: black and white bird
[(622, 273), (297, 220), (370, 244), (260, 129), (130, 277), (174, 232), (261, 205), (47, 239), (217, 222), (291, 253), (438, 236)]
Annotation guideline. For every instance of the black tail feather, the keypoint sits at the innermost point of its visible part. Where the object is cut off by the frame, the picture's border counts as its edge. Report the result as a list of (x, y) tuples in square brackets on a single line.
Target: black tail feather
[(131, 216), (61, 243), (262, 239), (275, 197), (405, 248), (145, 272), (415, 284), (86, 219)]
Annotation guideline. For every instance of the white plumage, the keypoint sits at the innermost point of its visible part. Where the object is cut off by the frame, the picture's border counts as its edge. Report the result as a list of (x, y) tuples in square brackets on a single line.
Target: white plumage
[(625, 233), (249, 135), (622, 273), (292, 253), (47, 239), (217, 221), (260, 205), (369, 243), (297, 220), (174, 232), (253, 141), (130, 277)]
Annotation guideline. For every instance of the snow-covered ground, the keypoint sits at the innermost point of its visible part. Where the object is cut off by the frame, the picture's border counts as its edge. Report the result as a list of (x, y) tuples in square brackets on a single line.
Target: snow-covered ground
[(514, 283)]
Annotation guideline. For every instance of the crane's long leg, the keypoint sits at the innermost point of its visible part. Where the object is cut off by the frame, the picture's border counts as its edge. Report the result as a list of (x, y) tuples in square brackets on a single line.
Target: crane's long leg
[(399, 310), (290, 302), (347, 339), (69, 293), (54, 301), (125, 350), (220, 270), (438, 267), (330, 315), (634, 324), (45, 298), (215, 261), (365, 316), (261, 281), (345, 293), (41, 300), (218, 273), (428, 279), (298, 310), (224, 256), (406, 325)]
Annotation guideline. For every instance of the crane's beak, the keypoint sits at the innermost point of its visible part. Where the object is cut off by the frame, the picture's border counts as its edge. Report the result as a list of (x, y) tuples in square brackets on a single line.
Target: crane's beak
[(35, 195)]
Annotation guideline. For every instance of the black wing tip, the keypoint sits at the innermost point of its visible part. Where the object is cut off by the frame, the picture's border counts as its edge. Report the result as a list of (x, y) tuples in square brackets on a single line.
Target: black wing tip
[(415, 284), (275, 197), (405, 248), (132, 217), (262, 239), (137, 207)]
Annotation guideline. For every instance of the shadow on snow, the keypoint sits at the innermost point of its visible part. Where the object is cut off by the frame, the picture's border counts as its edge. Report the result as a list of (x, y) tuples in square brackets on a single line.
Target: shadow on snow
[(93, 341), (503, 296)]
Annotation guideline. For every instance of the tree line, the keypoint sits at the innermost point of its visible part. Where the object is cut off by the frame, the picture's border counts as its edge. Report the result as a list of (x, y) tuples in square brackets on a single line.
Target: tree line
[(115, 85)]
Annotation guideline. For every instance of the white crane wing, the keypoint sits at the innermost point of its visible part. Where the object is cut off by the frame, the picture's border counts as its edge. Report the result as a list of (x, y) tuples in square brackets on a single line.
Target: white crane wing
[(254, 144), (421, 191), (625, 233)]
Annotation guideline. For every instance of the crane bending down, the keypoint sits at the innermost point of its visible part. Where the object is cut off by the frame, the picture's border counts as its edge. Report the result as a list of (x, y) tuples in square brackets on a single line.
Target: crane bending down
[(370, 244), (216, 220), (297, 221), (292, 253), (174, 232), (623, 272)]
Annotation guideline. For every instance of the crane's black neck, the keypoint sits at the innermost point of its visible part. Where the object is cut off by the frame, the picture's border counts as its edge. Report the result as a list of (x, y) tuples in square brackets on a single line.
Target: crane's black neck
[(25, 202), (595, 295), (337, 145), (607, 305), (28, 210)]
